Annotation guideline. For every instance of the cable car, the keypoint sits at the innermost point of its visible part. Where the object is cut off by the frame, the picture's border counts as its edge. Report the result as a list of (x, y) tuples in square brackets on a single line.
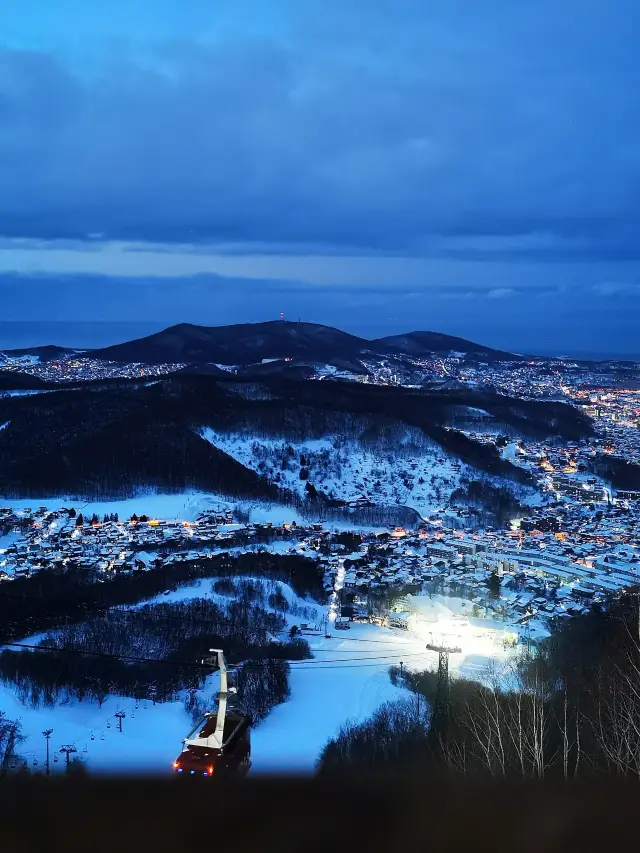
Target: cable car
[(202, 756), (220, 744)]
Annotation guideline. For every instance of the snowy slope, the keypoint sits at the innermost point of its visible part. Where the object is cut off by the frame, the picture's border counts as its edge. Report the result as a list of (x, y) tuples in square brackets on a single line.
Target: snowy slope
[(149, 741), (204, 588), (23, 393), (186, 505), (414, 472), (347, 679)]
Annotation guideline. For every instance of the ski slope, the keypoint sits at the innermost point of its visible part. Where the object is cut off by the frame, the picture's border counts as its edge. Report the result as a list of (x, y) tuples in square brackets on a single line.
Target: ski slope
[(324, 695), (347, 680)]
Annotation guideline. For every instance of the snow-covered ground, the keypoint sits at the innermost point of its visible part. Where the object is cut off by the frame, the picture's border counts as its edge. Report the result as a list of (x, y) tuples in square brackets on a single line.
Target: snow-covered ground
[(262, 513), (8, 540), (412, 472), (149, 741), (199, 589), (347, 679), (278, 514), (185, 505), (22, 360), (23, 393)]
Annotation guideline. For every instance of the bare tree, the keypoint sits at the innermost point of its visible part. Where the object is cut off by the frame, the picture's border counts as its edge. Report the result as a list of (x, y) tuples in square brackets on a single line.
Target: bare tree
[(10, 737)]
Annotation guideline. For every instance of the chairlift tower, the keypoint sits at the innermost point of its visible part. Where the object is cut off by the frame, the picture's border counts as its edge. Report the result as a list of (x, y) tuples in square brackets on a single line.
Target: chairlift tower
[(47, 734), (441, 705), (68, 750)]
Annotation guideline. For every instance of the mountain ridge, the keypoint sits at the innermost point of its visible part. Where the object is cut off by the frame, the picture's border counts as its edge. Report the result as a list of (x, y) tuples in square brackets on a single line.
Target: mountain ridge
[(420, 342), (250, 343)]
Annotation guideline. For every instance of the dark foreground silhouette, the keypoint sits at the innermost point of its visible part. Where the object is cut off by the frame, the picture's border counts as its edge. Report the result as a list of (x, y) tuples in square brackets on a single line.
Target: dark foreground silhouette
[(284, 815)]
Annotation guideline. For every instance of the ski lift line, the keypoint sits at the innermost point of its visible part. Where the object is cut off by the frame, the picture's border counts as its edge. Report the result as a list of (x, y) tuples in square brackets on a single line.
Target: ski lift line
[(297, 665), (110, 655), (389, 650), (105, 724), (89, 653), (82, 738), (203, 667), (346, 666), (364, 640), (339, 660)]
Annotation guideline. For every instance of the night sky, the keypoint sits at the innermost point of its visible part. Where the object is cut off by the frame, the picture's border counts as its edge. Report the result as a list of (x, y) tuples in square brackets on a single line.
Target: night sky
[(379, 165)]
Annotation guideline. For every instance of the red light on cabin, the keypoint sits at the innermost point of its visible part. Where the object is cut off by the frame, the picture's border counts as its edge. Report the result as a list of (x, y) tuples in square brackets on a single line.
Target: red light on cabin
[(210, 771), (176, 765)]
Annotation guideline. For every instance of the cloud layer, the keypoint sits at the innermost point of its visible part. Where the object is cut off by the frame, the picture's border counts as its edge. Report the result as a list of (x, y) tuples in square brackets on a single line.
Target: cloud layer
[(379, 165), (443, 127)]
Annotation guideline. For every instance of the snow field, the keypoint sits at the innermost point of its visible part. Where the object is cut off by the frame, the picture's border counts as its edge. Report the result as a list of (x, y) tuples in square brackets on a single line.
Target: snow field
[(149, 741), (346, 680), (345, 468), (186, 505)]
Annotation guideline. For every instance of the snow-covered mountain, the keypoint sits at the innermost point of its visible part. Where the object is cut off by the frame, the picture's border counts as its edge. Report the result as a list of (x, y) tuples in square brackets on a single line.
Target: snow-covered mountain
[(412, 471)]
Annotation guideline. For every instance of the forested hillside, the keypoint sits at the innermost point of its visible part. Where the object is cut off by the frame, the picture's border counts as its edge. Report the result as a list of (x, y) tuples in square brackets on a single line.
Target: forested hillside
[(113, 438), (568, 710)]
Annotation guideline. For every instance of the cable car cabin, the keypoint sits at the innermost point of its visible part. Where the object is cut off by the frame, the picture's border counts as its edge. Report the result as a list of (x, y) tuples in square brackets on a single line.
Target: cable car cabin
[(202, 756)]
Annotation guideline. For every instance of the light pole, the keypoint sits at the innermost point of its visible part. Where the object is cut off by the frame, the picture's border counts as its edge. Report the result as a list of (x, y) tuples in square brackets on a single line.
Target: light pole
[(47, 734)]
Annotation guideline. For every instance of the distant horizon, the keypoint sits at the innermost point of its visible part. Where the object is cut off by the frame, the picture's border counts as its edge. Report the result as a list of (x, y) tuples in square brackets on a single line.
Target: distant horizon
[(94, 334), (378, 166)]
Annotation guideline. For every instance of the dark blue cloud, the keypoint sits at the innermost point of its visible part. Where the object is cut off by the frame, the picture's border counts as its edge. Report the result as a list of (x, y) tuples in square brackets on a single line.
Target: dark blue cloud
[(378, 124)]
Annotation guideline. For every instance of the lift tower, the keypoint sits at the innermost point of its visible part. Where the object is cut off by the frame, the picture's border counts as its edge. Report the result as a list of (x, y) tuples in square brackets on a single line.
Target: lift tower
[(440, 718)]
